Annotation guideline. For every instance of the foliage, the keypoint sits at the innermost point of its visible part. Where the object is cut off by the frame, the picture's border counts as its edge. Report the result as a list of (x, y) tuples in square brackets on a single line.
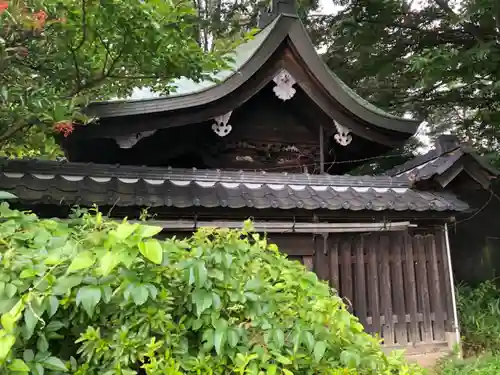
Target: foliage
[(229, 20), (57, 55), (436, 59), (484, 365), (94, 296), (479, 313)]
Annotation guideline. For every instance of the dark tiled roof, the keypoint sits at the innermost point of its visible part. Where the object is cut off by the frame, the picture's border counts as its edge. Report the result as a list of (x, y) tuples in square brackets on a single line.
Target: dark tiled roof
[(73, 183), (435, 163), (248, 59), (427, 166)]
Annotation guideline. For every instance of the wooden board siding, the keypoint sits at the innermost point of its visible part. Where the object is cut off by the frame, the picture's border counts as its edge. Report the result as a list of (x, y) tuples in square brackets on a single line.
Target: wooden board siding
[(396, 283)]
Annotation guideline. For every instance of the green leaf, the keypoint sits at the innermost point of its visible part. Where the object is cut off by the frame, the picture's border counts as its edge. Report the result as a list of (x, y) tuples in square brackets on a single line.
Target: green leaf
[(319, 350), (253, 284), (232, 338), (38, 369), (54, 326), (350, 358), (18, 365), (219, 339), (153, 291), (54, 363), (83, 260), (42, 344), (27, 273), (88, 297), (202, 299), (208, 339), (65, 284), (151, 250), (8, 322), (53, 306), (200, 274), (279, 338), (10, 290), (271, 369), (30, 322), (149, 231), (28, 355), (124, 230), (283, 360), (139, 294), (6, 343), (308, 340), (108, 262)]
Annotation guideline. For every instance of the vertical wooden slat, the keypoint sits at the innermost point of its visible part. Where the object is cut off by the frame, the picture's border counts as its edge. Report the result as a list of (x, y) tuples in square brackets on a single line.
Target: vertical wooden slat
[(308, 262), (360, 282), (435, 290), (410, 291), (321, 265), (445, 271), (334, 261), (373, 283), (423, 291), (385, 291), (346, 272), (398, 289)]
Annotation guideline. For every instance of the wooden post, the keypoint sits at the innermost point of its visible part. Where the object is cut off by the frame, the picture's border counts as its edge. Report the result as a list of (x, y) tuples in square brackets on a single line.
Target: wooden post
[(452, 284), (321, 150)]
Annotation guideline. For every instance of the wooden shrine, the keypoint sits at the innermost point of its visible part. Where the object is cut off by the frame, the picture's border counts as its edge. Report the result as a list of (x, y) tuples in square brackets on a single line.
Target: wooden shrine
[(272, 138)]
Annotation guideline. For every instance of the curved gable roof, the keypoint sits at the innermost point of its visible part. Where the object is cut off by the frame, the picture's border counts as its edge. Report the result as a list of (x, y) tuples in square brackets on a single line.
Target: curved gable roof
[(248, 59)]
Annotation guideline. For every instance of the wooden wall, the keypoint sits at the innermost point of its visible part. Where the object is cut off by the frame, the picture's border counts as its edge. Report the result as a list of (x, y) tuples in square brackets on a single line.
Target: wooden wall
[(397, 283)]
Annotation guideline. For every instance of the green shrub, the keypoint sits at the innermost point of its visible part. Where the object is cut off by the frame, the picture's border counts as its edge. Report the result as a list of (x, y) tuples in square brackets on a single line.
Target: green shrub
[(92, 296), (485, 365), (479, 315)]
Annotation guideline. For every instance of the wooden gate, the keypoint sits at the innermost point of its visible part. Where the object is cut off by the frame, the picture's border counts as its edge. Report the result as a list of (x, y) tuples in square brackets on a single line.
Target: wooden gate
[(397, 283)]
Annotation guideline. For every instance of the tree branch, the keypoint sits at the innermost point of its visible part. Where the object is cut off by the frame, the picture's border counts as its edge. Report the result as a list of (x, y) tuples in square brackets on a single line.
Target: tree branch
[(84, 25), (77, 68), (469, 27), (12, 130)]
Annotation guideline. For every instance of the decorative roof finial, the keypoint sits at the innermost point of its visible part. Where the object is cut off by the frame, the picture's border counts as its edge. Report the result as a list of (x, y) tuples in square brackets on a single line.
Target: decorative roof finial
[(283, 7), (277, 7)]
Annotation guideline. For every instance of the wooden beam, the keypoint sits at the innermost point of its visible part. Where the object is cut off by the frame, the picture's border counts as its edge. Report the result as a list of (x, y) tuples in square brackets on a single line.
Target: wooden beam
[(281, 227)]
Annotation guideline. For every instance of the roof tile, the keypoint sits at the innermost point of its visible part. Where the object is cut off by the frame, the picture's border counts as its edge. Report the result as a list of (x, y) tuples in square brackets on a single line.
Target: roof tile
[(72, 183)]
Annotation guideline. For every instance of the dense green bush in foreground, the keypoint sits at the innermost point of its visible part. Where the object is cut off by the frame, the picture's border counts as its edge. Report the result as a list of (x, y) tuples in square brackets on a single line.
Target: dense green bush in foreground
[(485, 365), (479, 313), (91, 296)]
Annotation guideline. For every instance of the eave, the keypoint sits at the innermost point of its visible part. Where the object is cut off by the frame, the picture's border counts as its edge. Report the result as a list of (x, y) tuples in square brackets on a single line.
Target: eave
[(287, 31), (63, 183)]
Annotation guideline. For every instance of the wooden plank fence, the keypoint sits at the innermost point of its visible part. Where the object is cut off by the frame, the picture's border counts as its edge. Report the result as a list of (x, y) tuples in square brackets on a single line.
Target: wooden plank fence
[(395, 282)]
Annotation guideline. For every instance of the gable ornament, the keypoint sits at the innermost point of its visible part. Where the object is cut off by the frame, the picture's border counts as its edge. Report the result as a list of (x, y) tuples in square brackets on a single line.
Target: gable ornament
[(284, 85), (221, 126), (342, 137), (129, 141)]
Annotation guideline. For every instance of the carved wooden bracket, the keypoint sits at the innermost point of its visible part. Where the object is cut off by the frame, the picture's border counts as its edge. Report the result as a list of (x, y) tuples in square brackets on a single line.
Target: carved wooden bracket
[(129, 141), (342, 137), (221, 126), (284, 85)]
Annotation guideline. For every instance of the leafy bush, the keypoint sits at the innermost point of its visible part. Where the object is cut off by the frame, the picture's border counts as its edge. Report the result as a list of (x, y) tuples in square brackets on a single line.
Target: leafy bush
[(92, 296), (479, 313), (485, 365)]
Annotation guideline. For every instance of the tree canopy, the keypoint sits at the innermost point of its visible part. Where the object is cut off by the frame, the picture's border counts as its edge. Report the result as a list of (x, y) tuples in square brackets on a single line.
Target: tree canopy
[(437, 59), (56, 55)]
